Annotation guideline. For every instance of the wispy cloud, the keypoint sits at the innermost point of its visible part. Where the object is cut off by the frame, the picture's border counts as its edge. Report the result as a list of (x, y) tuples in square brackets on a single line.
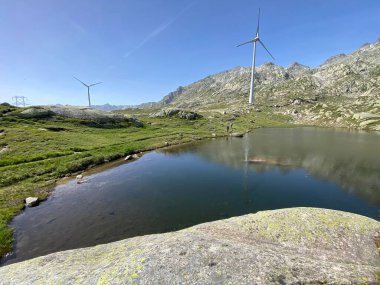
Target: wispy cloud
[(77, 27), (74, 25), (158, 30)]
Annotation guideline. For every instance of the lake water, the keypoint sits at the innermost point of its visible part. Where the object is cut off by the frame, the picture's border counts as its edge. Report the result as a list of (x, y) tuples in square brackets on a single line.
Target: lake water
[(182, 186)]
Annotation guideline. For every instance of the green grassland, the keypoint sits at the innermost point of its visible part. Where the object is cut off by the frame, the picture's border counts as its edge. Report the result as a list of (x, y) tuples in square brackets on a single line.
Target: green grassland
[(41, 151)]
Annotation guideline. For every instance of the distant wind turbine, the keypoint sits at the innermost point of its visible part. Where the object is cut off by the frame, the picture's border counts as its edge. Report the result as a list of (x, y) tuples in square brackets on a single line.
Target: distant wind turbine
[(256, 39), (88, 89)]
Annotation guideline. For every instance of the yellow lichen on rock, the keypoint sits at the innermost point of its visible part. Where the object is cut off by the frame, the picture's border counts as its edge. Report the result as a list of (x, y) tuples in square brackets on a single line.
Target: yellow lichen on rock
[(297, 245)]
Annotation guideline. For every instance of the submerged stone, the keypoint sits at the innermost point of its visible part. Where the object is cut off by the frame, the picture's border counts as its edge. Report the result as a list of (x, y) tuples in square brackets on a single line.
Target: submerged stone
[(237, 135)]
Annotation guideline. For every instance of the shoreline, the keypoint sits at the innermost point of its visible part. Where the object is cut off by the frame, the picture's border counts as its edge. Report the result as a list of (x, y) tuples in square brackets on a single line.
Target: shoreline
[(119, 160), (93, 169)]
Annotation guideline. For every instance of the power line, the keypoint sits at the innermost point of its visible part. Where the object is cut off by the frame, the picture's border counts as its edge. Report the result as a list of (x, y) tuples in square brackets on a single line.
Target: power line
[(19, 101)]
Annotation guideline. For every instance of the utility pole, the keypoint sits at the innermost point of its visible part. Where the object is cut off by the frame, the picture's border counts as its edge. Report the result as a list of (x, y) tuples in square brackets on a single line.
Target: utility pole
[(19, 101)]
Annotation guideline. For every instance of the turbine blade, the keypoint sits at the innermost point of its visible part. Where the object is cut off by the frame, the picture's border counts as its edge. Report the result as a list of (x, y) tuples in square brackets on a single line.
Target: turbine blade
[(81, 81), (266, 49), (251, 41), (95, 84), (258, 23)]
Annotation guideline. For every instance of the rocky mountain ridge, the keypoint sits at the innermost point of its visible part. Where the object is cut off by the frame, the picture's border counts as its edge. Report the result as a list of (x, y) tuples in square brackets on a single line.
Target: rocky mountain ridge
[(343, 86), (108, 107)]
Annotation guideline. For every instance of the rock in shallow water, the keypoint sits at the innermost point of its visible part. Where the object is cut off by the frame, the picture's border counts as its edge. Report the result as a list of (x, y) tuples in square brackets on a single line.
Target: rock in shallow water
[(31, 201), (237, 135), (288, 246)]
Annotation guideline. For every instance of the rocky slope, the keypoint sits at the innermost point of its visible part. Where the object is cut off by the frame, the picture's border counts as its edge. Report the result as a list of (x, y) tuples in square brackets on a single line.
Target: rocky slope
[(288, 246), (344, 91)]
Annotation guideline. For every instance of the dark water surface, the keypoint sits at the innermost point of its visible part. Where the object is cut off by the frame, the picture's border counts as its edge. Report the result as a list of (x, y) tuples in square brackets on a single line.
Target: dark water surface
[(192, 184)]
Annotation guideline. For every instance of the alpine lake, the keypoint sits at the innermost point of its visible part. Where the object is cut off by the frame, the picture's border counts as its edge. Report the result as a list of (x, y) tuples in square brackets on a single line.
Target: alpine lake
[(177, 187)]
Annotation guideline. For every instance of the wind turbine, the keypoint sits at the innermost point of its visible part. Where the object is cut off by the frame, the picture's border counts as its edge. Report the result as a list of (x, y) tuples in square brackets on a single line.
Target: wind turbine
[(254, 41), (88, 89)]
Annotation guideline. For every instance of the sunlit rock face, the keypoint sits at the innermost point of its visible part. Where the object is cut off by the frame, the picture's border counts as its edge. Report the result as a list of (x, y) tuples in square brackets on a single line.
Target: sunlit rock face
[(298, 245)]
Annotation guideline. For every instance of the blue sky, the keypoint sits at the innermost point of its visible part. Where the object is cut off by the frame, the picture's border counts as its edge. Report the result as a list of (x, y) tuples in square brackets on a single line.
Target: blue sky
[(142, 50)]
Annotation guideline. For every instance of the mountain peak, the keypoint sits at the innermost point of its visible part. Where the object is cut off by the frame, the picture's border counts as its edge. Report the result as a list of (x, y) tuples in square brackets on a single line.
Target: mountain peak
[(296, 69), (297, 65), (334, 59), (268, 63)]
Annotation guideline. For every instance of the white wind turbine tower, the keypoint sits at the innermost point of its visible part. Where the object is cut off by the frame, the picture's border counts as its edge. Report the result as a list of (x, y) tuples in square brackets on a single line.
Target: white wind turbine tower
[(88, 89), (256, 39)]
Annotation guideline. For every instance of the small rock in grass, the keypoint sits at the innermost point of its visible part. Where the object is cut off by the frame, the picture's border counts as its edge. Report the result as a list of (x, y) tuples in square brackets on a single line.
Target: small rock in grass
[(4, 149), (135, 156), (31, 201)]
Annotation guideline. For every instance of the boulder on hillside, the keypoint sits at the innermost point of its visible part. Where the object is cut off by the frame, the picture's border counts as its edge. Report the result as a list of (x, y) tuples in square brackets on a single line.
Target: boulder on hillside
[(188, 115), (87, 114), (182, 114), (287, 246), (35, 112)]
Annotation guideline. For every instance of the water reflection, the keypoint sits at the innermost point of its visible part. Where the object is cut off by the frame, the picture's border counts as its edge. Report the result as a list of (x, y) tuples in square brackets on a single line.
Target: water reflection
[(349, 158)]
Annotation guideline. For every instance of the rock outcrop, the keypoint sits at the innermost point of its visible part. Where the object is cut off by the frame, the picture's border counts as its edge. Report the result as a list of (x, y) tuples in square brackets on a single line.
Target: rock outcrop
[(31, 201), (288, 246), (182, 114), (71, 112), (74, 112)]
